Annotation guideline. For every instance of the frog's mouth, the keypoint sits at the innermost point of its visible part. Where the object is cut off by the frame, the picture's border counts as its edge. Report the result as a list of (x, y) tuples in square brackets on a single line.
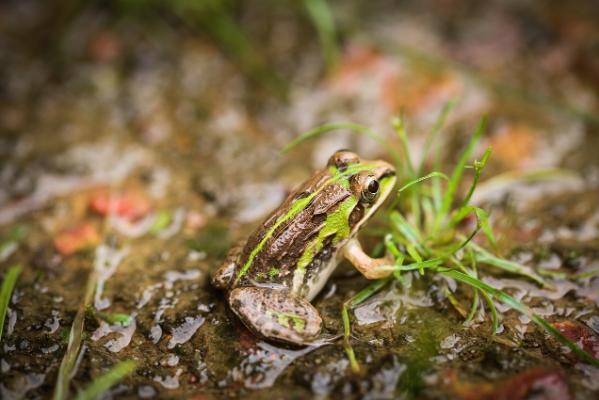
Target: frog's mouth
[(387, 177)]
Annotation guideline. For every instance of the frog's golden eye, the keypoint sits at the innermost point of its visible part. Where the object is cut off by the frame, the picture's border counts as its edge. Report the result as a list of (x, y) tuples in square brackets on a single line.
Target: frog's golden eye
[(370, 189), (341, 159)]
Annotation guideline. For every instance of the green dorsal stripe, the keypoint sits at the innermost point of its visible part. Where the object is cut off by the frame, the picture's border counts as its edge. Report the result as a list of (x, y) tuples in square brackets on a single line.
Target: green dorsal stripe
[(296, 208), (336, 225)]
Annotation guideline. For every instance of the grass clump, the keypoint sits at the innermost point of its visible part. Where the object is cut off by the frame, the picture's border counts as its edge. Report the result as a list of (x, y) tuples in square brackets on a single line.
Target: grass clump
[(424, 229)]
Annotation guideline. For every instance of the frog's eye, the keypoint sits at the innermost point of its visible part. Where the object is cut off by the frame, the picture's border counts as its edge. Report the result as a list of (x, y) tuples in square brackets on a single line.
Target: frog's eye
[(370, 189), (341, 159)]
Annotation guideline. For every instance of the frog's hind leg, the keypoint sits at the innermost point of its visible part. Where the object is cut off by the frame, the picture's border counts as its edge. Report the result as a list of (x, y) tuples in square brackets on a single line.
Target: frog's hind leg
[(223, 276), (276, 315)]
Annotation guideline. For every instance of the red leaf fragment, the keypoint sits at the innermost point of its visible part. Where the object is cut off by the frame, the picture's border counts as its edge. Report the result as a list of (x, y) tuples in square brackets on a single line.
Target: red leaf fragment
[(130, 205), (581, 335), (538, 382), (76, 238)]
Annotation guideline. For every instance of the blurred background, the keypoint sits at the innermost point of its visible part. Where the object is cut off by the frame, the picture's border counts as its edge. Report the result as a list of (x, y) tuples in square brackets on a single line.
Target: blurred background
[(182, 108)]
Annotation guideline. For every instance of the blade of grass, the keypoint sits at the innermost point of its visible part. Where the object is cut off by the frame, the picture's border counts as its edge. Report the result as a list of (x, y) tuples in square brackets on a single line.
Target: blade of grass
[(434, 133), (501, 182), (419, 265), (434, 174), (523, 309), (455, 303), (397, 256), (10, 243), (104, 382), (215, 17), (493, 310), (436, 184), (482, 219), (357, 128), (474, 306), (584, 275), (360, 297), (400, 128), (475, 295), (458, 171), (485, 257), (322, 18), (478, 168), (8, 285), (407, 230), (162, 220), (75, 338)]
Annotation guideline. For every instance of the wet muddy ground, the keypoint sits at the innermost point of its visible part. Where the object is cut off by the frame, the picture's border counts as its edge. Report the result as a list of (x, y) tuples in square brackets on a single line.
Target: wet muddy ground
[(97, 109)]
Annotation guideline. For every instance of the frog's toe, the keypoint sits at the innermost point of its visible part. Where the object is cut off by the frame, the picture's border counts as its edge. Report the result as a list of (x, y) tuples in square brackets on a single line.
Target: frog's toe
[(276, 315)]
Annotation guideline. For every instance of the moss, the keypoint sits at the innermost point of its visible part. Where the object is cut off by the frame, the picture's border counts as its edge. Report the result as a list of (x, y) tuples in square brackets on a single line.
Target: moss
[(214, 240)]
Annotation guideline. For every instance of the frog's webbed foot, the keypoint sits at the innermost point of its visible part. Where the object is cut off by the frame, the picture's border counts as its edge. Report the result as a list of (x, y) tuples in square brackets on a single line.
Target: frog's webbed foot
[(368, 266), (276, 315), (223, 276)]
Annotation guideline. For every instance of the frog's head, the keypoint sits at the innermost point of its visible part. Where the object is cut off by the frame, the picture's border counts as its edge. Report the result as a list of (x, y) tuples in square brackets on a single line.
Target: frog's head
[(369, 181)]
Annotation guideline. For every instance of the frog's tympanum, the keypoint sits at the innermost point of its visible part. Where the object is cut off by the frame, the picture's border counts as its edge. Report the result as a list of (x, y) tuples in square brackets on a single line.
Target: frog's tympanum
[(271, 278)]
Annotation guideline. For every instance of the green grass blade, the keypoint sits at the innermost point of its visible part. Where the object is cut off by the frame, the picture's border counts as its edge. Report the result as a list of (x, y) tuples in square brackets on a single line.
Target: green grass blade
[(322, 18), (400, 128), (493, 310), (523, 309), (357, 128), (347, 347), (368, 291), (484, 257), (407, 230), (454, 302), (508, 178), (161, 221), (8, 284), (67, 364), (483, 221), (360, 297), (215, 17), (434, 174), (419, 265), (586, 274), (458, 171), (109, 379), (478, 168), (434, 133), (10, 243), (474, 306), (482, 218)]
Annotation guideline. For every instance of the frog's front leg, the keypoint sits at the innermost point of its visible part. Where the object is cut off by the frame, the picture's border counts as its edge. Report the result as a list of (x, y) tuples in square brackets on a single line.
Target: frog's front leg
[(223, 276), (368, 266), (276, 315)]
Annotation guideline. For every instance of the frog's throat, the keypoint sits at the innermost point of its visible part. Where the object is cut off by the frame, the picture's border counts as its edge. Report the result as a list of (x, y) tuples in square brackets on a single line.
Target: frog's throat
[(297, 207)]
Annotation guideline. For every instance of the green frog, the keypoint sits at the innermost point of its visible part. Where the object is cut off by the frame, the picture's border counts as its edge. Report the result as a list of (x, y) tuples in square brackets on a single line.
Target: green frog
[(271, 277)]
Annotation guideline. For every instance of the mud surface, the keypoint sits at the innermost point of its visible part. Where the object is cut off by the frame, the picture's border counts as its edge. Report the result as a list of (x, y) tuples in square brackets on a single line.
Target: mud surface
[(97, 104)]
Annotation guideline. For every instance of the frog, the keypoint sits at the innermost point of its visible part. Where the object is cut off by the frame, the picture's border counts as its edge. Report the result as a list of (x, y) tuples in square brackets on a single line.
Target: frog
[(271, 278)]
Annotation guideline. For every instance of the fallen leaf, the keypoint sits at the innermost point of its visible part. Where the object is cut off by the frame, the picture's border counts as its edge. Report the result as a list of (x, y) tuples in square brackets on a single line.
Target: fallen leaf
[(130, 205), (543, 383), (581, 335), (76, 238)]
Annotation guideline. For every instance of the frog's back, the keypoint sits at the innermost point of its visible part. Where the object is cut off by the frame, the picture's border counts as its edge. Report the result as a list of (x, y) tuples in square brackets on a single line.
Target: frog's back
[(271, 253)]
